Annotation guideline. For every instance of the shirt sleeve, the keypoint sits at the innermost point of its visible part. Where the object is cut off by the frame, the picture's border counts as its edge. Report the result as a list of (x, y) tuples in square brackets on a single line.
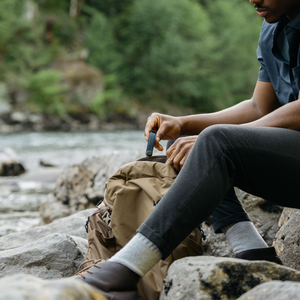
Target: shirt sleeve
[(263, 74)]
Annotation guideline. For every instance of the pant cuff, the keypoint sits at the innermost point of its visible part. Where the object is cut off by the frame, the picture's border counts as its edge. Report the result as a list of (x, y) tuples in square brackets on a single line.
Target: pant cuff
[(155, 239), (240, 217)]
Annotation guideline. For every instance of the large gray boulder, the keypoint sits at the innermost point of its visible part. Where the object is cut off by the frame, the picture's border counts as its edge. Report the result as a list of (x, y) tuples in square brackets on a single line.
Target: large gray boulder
[(212, 278), (24, 287), (82, 186), (275, 290), (287, 240), (51, 209), (53, 256), (72, 225)]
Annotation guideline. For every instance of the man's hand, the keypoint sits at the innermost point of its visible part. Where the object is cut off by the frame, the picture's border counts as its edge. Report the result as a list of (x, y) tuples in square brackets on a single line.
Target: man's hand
[(179, 151), (166, 127)]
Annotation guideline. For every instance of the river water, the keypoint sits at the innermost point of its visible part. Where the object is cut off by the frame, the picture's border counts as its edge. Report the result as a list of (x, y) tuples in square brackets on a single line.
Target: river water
[(20, 200)]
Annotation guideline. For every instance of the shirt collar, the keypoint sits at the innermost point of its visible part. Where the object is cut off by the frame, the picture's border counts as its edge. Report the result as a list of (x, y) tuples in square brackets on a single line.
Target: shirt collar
[(280, 27), (295, 23)]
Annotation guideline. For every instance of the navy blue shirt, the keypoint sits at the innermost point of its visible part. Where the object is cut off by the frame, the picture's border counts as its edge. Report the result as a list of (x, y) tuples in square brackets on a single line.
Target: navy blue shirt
[(283, 74)]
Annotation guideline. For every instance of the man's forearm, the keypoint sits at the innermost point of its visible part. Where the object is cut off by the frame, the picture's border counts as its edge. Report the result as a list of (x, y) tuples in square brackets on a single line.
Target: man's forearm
[(243, 112), (287, 116)]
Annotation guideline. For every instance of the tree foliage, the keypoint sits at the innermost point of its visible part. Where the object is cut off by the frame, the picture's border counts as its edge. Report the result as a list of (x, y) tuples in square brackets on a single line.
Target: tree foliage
[(166, 51), (189, 53), (46, 92)]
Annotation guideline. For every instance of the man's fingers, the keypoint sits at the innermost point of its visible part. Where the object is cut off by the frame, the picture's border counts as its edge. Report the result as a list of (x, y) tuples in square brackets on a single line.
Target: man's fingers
[(170, 150), (158, 146), (164, 131), (177, 161), (182, 162), (152, 124), (178, 153), (160, 134), (172, 155)]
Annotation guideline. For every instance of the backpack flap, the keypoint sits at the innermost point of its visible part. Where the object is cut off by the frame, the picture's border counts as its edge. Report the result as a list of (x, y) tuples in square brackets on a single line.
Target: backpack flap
[(132, 191)]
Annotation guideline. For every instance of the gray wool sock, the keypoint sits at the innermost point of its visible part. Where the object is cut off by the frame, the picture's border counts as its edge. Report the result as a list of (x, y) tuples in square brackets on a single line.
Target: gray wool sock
[(243, 236), (139, 255)]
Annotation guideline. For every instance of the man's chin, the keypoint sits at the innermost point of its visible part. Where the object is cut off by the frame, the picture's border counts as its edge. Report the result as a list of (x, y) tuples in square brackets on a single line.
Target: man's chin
[(272, 20)]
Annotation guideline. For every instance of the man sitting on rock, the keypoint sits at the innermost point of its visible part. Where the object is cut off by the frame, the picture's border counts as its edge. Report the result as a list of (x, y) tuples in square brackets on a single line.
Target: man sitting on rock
[(253, 145)]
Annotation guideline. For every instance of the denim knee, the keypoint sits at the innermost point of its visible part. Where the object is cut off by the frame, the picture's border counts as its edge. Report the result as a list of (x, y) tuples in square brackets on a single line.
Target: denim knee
[(221, 136)]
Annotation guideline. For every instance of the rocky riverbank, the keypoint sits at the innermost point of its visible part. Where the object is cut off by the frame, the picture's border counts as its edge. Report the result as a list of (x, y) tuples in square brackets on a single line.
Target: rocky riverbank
[(55, 250), (18, 121), (22, 110)]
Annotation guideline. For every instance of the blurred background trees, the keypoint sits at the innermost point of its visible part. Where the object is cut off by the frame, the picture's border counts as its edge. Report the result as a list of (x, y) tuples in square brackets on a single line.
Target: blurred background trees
[(158, 54)]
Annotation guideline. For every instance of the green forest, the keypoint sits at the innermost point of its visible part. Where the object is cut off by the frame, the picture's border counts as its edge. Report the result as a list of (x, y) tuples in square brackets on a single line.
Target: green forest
[(116, 57)]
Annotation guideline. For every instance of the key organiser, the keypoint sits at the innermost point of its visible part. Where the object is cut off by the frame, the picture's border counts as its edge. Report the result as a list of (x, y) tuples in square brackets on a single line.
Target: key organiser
[(151, 142)]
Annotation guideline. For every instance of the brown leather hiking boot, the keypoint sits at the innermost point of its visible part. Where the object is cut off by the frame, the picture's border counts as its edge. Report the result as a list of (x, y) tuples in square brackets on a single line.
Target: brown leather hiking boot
[(110, 279), (268, 254)]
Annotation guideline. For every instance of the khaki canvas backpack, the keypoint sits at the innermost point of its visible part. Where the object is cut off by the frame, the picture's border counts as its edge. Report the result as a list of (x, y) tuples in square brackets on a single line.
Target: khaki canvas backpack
[(130, 196)]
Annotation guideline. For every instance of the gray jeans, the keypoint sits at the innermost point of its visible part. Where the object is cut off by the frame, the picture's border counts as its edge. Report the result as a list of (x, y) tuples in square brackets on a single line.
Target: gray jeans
[(229, 211), (259, 160)]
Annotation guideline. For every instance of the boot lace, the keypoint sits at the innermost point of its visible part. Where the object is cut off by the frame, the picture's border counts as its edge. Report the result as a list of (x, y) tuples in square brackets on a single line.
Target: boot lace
[(91, 263)]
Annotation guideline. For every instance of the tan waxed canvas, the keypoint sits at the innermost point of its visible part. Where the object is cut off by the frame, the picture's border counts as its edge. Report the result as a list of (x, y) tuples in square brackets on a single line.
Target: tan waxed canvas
[(129, 196)]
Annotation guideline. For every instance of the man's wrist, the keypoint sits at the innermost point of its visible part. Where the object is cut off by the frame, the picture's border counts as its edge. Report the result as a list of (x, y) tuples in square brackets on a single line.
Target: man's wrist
[(182, 124), (191, 125)]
